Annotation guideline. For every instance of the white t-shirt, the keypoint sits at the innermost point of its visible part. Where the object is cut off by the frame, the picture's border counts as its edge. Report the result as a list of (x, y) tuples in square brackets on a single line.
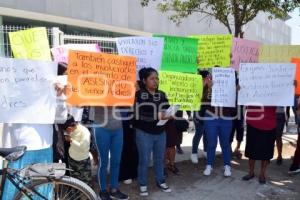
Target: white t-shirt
[(62, 111), (33, 136)]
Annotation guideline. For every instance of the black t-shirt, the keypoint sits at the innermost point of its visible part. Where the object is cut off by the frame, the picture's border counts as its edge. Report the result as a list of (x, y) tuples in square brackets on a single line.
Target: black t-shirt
[(147, 107)]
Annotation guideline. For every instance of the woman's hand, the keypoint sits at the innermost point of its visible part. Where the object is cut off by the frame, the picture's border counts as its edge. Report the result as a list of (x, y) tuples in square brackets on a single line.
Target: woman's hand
[(238, 88), (162, 116), (60, 89), (68, 138), (209, 83)]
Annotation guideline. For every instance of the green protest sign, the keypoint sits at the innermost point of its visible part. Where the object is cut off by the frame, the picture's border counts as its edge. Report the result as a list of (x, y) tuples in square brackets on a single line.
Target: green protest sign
[(180, 54)]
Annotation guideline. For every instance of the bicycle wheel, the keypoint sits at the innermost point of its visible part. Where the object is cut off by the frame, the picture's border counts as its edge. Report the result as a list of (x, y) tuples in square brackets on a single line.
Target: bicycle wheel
[(65, 188)]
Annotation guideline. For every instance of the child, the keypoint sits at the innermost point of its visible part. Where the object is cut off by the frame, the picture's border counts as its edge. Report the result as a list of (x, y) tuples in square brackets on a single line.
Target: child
[(79, 138)]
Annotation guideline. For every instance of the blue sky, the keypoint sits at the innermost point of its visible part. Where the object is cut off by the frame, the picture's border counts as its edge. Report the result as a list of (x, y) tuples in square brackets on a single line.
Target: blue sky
[(294, 23)]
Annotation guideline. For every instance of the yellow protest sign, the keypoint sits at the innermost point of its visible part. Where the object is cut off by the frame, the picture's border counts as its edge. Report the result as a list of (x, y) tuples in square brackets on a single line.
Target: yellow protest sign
[(278, 53), (214, 50), (182, 89), (30, 44)]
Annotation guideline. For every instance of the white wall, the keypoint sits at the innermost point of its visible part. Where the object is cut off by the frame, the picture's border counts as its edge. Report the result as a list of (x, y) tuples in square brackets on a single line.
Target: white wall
[(130, 14)]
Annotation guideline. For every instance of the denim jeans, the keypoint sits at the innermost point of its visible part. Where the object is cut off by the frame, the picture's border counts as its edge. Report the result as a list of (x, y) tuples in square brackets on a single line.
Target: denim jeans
[(109, 141), (199, 126), (215, 128), (147, 143)]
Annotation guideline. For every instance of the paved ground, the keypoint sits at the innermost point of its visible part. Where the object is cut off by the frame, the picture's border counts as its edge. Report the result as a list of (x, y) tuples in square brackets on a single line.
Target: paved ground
[(192, 185)]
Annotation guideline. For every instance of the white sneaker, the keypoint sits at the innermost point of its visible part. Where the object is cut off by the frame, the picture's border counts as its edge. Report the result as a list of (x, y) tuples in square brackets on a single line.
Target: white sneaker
[(143, 191), (227, 171), (164, 187), (127, 182), (208, 170), (194, 158)]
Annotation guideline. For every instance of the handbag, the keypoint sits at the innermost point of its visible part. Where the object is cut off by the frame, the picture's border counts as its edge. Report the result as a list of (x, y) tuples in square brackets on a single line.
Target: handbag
[(182, 125)]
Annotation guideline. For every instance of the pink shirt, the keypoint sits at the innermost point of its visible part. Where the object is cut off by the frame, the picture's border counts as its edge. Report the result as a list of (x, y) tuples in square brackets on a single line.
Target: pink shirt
[(263, 118)]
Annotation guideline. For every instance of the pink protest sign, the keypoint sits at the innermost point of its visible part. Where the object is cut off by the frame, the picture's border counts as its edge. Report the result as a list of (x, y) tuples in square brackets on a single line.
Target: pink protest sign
[(244, 51), (61, 53)]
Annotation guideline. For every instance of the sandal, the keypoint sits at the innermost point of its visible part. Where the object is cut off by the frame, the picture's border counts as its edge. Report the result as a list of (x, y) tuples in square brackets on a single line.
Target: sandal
[(173, 169), (248, 177), (262, 180)]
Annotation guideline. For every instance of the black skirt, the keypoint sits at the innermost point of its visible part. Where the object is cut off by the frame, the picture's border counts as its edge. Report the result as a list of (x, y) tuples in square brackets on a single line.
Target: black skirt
[(174, 137), (260, 143)]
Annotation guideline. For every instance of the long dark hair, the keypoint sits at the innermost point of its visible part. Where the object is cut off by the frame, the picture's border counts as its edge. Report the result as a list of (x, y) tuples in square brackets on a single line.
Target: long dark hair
[(144, 73), (62, 68)]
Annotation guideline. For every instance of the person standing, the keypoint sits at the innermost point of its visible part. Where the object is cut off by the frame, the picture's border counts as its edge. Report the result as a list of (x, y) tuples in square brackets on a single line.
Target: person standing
[(150, 106), (238, 124), (79, 138), (199, 124), (108, 136), (38, 140), (260, 139), (217, 124), (281, 120), (295, 166), (129, 159)]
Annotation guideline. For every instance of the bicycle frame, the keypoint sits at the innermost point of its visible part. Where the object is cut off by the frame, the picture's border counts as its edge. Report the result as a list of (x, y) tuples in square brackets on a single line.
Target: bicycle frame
[(18, 182)]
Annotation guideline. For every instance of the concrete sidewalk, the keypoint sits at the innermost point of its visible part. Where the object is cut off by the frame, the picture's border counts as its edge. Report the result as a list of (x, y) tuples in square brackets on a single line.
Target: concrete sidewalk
[(191, 184)]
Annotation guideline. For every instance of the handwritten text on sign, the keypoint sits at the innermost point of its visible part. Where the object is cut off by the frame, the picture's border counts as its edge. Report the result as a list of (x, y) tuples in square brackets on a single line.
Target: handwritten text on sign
[(27, 92), (278, 53), (180, 54), (101, 79), (244, 51), (224, 87), (182, 89), (214, 50), (148, 51), (267, 84), (30, 44), (61, 53)]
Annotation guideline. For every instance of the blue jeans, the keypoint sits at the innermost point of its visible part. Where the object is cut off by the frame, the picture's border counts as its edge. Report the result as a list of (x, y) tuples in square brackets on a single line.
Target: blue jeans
[(215, 128), (109, 141), (199, 126), (30, 157), (146, 143)]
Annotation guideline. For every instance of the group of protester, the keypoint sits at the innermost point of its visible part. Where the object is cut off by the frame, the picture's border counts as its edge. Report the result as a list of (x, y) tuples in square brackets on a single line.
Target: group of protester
[(127, 139)]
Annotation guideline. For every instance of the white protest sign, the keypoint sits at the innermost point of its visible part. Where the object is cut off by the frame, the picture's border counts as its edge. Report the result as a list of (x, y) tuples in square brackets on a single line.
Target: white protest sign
[(170, 112), (147, 50), (224, 87), (61, 53), (27, 92), (267, 84)]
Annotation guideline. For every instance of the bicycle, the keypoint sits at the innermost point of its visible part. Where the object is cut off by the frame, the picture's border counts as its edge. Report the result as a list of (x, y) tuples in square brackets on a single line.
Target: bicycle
[(29, 179)]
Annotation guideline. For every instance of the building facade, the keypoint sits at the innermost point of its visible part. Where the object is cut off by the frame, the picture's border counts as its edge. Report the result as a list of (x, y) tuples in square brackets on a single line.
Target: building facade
[(128, 17)]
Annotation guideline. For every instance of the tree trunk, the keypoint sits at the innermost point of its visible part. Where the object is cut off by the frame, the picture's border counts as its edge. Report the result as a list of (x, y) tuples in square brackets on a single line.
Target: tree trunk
[(238, 32)]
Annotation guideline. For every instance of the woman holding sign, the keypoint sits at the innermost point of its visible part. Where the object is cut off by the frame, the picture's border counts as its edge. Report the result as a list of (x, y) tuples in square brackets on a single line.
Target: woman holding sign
[(149, 109), (217, 124), (260, 140)]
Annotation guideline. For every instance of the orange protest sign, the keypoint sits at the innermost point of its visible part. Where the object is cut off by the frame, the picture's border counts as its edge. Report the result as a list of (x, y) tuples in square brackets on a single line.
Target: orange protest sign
[(297, 62), (99, 79)]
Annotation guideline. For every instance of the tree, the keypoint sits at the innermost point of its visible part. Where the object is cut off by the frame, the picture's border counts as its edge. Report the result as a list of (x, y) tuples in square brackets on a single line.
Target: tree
[(233, 14)]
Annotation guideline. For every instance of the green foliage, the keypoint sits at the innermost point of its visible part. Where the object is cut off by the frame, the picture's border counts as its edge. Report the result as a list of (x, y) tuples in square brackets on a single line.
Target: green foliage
[(234, 14)]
